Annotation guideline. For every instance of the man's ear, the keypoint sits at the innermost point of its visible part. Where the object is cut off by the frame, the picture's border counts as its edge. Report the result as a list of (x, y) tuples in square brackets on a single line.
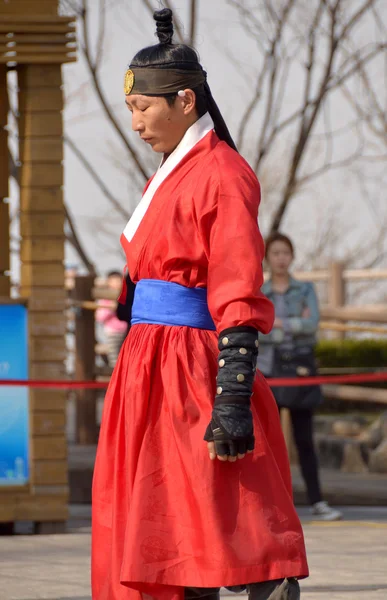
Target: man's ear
[(188, 101)]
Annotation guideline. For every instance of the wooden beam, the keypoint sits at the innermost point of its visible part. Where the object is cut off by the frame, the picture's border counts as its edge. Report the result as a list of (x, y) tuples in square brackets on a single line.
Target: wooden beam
[(354, 393), (50, 472), (48, 424), (43, 349), (29, 16), (38, 49), (47, 370), (41, 508), (326, 326), (43, 250), (44, 299), (43, 275), (42, 225), (39, 76), (33, 174), (354, 313), (54, 38), (5, 286), (41, 149), (336, 292), (31, 27), (48, 400), (40, 99), (4, 160), (40, 199), (4, 237), (49, 447), (37, 59), (47, 324), (40, 124)]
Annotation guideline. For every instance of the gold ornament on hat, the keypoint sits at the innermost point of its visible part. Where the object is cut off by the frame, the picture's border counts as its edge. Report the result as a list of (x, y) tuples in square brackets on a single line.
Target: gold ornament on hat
[(128, 82)]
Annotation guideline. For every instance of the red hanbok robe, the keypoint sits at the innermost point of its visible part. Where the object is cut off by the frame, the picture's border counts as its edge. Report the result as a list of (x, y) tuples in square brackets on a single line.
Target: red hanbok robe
[(165, 517)]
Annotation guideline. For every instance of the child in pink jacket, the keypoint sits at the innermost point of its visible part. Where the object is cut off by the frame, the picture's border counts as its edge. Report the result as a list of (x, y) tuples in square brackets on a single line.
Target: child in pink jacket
[(114, 329)]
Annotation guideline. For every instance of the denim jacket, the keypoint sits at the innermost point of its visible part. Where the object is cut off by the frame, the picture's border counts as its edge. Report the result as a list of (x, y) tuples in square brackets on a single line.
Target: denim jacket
[(299, 295)]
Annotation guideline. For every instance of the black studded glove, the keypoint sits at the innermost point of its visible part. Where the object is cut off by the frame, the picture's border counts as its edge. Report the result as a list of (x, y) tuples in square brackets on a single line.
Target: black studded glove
[(231, 426)]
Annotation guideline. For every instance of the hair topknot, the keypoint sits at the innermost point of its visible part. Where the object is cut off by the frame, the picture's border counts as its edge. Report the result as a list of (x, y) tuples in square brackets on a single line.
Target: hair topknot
[(164, 25)]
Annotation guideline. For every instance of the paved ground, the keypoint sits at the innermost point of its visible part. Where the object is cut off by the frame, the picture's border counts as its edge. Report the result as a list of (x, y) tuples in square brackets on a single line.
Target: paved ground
[(348, 560)]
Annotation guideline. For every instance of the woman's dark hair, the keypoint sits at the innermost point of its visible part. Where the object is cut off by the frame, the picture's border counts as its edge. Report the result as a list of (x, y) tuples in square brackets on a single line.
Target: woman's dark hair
[(278, 237), (167, 55)]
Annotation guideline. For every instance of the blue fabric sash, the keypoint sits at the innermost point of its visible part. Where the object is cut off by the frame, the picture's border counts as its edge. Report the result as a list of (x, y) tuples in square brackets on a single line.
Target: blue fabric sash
[(164, 303)]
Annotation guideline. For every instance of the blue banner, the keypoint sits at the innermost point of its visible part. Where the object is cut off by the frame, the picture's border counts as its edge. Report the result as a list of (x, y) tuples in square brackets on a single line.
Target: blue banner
[(14, 410)]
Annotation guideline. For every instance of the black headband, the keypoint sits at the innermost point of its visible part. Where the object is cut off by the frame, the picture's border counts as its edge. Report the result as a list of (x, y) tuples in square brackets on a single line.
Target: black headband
[(161, 82)]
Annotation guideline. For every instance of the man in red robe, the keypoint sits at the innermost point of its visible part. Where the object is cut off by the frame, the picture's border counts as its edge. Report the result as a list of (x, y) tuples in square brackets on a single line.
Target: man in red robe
[(175, 517)]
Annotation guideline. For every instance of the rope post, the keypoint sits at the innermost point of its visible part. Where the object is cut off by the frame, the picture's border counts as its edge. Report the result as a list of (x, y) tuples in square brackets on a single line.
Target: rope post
[(337, 293), (86, 416)]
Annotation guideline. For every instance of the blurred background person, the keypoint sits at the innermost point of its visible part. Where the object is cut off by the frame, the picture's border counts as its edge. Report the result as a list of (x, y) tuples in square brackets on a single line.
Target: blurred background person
[(288, 351), (124, 310), (114, 329)]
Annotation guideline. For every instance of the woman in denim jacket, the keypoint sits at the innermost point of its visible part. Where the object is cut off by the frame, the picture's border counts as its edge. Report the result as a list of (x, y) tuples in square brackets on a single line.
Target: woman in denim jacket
[(288, 351)]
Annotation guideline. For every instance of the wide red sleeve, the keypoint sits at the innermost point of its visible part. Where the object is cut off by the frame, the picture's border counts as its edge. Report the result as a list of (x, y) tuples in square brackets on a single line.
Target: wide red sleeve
[(236, 252)]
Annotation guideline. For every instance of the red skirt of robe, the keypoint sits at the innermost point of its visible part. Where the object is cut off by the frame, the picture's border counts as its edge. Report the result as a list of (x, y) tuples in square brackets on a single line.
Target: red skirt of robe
[(164, 515)]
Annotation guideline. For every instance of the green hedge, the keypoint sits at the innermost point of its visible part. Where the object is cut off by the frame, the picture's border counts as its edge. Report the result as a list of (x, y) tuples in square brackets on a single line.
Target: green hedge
[(352, 353)]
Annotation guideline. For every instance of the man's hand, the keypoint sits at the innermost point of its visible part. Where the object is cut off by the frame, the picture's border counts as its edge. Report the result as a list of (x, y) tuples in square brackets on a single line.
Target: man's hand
[(230, 435), (223, 457)]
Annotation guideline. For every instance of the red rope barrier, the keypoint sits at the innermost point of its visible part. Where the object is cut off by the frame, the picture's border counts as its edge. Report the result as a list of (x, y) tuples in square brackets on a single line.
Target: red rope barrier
[(55, 384), (273, 382)]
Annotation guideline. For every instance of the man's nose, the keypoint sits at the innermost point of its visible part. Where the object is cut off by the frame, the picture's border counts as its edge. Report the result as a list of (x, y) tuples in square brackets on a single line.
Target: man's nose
[(137, 123)]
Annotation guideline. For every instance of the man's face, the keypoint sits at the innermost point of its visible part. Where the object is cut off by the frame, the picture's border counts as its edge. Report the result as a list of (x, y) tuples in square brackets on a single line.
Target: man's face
[(160, 125)]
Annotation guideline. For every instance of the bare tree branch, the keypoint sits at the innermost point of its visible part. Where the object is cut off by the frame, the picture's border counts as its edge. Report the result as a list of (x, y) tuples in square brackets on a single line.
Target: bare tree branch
[(355, 18), (305, 129), (92, 171), (101, 34), (104, 103), (338, 81), (193, 22), (269, 63), (74, 240), (330, 166)]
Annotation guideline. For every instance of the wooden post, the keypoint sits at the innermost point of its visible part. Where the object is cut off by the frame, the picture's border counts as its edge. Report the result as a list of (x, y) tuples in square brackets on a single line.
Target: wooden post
[(86, 408), (42, 274), (336, 298), (4, 210)]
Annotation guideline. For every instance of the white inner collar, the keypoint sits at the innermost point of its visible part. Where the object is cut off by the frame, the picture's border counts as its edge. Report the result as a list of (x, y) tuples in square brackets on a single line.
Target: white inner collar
[(192, 136)]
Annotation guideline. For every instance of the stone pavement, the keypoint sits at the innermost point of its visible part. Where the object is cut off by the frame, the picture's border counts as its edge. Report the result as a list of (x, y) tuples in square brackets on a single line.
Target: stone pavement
[(348, 560)]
